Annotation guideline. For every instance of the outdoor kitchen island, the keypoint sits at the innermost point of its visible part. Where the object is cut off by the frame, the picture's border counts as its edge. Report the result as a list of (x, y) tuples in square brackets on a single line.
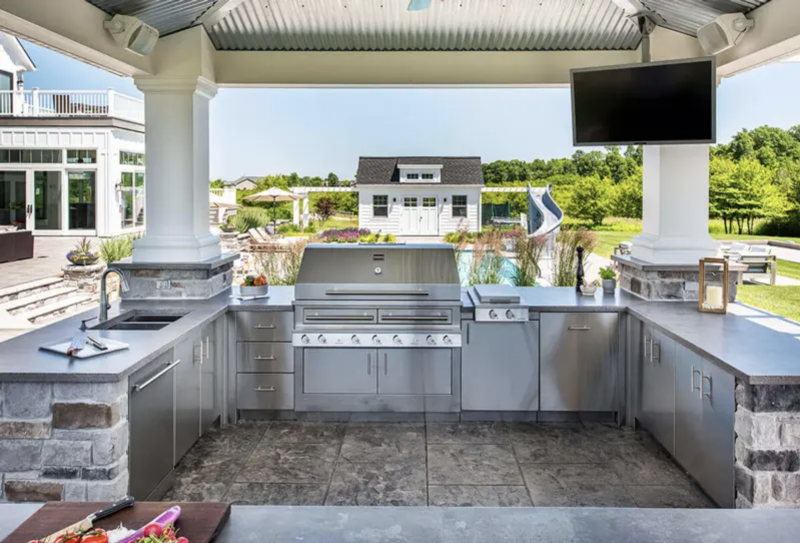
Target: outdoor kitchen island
[(79, 429)]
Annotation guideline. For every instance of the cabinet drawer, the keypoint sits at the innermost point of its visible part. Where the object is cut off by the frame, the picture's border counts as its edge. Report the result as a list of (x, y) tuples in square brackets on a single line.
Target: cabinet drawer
[(264, 326), (265, 391), (265, 357)]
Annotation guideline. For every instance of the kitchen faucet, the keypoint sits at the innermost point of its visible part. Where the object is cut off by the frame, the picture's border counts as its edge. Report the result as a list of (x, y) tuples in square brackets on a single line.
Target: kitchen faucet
[(104, 305)]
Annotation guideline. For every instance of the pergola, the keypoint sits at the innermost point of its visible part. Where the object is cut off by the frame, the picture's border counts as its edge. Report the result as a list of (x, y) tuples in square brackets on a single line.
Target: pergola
[(208, 44)]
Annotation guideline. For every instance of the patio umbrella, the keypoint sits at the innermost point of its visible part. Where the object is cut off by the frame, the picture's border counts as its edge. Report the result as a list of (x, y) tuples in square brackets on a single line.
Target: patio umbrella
[(273, 195)]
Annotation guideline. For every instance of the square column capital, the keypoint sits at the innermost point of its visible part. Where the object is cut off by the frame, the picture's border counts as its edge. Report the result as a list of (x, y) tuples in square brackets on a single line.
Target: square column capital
[(177, 85)]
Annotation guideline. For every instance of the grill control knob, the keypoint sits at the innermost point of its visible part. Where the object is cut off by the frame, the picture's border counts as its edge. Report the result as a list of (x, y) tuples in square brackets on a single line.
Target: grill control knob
[(510, 315), (430, 340), (305, 339), (397, 340), (322, 339), (355, 340), (492, 314), (376, 340), (447, 340)]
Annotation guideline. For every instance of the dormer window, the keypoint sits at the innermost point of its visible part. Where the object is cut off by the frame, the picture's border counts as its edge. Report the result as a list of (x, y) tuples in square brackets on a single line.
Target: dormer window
[(413, 176), (420, 173), (427, 176)]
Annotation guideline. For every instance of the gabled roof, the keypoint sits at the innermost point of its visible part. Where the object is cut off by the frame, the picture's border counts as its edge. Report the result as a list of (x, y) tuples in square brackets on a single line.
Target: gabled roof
[(242, 179), (463, 170)]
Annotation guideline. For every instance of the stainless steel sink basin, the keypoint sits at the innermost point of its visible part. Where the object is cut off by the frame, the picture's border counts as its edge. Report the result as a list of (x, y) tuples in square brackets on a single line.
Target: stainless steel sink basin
[(138, 321)]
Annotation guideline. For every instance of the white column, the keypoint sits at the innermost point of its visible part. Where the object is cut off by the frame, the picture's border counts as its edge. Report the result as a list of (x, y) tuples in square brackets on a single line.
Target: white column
[(296, 212), (675, 209), (305, 219), (177, 172)]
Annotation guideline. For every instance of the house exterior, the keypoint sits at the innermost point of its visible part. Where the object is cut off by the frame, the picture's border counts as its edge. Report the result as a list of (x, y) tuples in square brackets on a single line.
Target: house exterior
[(246, 182), (419, 196), (71, 162)]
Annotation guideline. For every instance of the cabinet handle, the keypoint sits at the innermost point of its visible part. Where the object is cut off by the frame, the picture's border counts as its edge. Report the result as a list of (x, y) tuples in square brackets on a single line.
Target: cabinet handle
[(647, 341), (386, 363), (579, 328), (155, 377), (201, 352), (694, 371), (467, 333), (265, 389), (369, 364), (259, 357), (653, 356), (708, 378), (264, 326)]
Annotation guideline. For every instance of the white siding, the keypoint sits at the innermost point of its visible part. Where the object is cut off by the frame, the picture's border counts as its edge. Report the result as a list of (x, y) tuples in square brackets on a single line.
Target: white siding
[(393, 223)]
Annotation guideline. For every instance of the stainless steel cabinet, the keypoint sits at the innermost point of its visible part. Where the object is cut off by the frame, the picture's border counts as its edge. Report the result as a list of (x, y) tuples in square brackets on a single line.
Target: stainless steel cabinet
[(268, 391), (340, 371), (212, 353), (187, 395), (265, 357), (704, 419), (500, 367), (152, 397), (657, 412), (265, 326), (579, 362), (415, 371)]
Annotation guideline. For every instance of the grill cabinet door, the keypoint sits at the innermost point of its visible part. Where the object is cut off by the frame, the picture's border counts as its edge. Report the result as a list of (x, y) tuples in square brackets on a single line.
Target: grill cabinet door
[(340, 371), (415, 371)]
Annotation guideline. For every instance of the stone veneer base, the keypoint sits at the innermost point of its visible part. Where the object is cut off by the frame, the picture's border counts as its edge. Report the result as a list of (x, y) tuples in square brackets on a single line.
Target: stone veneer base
[(668, 282), (193, 281)]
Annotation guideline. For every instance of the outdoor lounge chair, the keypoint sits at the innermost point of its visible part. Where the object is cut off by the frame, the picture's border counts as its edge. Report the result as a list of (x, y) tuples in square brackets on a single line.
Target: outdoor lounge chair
[(759, 260)]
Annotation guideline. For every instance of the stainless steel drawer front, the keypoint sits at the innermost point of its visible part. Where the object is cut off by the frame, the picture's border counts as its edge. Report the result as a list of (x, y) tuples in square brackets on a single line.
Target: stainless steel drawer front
[(264, 357), (264, 326), (265, 391)]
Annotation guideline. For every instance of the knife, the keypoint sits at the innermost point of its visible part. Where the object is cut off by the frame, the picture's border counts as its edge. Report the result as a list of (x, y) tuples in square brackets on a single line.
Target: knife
[(86, 524)]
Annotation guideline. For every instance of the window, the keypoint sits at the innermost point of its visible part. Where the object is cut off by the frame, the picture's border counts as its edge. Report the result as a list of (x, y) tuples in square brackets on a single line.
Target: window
[(129, 158), (427, 176), (459, 206), (81, 200), (30, 156), (409, 201), (429, 202), (132, 199), (380, 206), (412, 176), (81, 156)]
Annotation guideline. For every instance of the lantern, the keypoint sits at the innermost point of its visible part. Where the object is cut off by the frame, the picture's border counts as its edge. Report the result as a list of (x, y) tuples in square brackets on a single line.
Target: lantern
[(713, 285)]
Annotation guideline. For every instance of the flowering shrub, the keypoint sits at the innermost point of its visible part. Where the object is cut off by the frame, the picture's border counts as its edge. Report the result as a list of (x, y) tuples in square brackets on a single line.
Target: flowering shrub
[(512, 234), (344, 235)]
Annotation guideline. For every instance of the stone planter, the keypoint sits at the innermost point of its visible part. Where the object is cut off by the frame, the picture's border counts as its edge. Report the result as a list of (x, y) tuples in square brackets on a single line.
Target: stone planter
[(609, 286), (86, 278)]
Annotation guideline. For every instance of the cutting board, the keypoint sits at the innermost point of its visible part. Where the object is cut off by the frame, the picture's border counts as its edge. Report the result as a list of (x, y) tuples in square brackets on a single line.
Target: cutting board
[(199, 522)]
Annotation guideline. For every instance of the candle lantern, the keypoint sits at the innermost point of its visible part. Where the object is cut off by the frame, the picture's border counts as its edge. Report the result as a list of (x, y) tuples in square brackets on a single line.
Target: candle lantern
[(713, 285)]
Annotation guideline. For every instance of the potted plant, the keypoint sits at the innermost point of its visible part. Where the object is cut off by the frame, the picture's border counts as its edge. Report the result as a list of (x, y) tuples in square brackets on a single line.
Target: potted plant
[(82, 254), (609, 277)]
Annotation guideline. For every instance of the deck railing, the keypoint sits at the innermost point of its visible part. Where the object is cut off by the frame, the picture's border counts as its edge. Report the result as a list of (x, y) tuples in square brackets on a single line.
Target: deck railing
[(39, 103)]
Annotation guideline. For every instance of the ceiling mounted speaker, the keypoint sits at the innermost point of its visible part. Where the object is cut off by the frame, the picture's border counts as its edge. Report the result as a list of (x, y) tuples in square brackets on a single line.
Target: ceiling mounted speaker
[(724, 32), (132, 34)]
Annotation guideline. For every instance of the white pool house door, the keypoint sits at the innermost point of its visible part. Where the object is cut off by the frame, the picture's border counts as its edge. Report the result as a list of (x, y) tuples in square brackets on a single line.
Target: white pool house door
[(429, 216), (411, 216)]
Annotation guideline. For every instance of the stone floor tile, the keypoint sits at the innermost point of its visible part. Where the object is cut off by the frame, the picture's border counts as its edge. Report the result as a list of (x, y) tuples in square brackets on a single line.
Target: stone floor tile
[(644, 464), (304, 432), (196, 492), (276, 494), (612, 434), (467, 433), (394, 443), (478, 496), (582, 495), (554, 443), (377, 483), (569, 474), (661, 497), (291, 463), (472, 465)]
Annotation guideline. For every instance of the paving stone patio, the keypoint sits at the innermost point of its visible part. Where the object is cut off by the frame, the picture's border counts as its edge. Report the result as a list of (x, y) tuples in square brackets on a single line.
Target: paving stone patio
[(436, 464)]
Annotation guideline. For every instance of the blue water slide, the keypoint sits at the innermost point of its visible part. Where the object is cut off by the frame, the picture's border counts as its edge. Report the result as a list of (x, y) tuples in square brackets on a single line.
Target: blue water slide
[(544, 215)]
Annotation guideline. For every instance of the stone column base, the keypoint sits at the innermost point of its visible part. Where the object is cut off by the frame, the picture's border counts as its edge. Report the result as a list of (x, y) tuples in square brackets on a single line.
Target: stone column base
[(173, 280), (668, 282)]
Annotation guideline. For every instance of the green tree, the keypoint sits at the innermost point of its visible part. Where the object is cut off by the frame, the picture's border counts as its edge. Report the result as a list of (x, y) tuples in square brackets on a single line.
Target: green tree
[(590, 200), (218, 184), (332, 180), (626, 197), (324, 209)]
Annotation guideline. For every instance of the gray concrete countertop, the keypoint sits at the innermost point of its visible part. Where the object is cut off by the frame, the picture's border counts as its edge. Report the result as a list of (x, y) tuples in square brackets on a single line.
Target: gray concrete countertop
[(263, 524)]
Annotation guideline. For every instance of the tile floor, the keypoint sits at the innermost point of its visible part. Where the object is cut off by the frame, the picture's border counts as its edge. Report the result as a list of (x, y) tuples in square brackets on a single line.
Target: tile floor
[(437, 464)]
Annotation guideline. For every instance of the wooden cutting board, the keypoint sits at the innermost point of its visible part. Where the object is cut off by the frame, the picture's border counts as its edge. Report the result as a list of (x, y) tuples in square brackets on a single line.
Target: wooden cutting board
[(199, 522)]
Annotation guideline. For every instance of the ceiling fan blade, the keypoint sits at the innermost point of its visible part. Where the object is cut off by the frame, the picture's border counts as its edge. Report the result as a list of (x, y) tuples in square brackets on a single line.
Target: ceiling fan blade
[(418, 5)]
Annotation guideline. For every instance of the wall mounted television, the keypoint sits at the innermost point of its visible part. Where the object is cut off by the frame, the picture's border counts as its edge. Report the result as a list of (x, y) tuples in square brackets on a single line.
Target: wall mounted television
[(670, 102)]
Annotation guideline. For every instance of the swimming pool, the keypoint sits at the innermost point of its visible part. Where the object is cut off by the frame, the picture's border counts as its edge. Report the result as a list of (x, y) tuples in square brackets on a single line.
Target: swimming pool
[(465, 264)]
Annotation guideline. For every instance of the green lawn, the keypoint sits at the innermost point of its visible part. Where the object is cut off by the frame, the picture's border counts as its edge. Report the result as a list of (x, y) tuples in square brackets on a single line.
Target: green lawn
[(783, 301), (340, 222)]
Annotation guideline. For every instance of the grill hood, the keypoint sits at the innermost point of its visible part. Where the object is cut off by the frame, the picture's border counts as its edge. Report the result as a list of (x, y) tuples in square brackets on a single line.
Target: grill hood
[(378, 272)]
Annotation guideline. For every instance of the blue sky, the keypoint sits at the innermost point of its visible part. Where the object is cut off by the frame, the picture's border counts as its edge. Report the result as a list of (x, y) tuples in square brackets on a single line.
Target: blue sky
[(315, 131)]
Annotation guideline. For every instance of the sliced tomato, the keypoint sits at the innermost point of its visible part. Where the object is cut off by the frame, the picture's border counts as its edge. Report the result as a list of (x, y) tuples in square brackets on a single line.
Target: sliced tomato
[(95, 536)]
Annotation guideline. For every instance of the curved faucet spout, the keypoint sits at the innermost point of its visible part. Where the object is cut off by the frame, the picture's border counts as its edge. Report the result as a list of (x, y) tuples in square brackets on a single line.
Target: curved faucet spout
[(104, 305)]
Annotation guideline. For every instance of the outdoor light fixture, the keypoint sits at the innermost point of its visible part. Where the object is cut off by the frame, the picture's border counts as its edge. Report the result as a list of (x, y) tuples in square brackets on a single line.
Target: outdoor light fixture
[(713, 296)]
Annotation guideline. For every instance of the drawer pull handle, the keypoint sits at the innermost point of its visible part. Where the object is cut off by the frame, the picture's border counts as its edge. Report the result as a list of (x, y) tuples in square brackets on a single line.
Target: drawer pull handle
[(706, 378), (264, 327), (694, 371), (655, 351), (155, 377), (259, 357), (265, 389), (369, 364), (580, 328)]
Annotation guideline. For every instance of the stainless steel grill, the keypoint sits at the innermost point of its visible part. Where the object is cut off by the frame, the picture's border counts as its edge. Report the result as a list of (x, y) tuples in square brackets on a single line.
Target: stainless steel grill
[(377, 328)]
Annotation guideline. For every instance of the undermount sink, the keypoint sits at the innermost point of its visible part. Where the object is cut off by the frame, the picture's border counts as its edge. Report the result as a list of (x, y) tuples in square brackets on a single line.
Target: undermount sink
[(138, 321)]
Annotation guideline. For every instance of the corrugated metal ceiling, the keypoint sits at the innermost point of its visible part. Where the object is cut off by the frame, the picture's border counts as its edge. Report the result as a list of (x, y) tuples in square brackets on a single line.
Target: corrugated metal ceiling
[(448, 25)]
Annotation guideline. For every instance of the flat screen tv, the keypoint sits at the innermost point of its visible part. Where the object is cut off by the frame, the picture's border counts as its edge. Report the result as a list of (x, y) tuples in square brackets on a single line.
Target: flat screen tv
[(656, 103)]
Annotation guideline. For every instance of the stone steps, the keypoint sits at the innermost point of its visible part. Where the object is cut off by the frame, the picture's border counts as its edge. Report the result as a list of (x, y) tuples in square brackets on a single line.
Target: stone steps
[(58, 310), (27, 303), (31, 288)]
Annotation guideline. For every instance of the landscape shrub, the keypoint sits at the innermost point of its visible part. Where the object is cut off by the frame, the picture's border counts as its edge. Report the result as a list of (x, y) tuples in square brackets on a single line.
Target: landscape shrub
[(528, 251), (565, 257), (343, 235), (282, 264), (288, 229), (249, 217), (117, 248)]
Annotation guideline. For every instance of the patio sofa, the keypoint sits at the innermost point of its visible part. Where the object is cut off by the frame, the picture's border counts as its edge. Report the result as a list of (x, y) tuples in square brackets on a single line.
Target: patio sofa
[(16, 245)]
